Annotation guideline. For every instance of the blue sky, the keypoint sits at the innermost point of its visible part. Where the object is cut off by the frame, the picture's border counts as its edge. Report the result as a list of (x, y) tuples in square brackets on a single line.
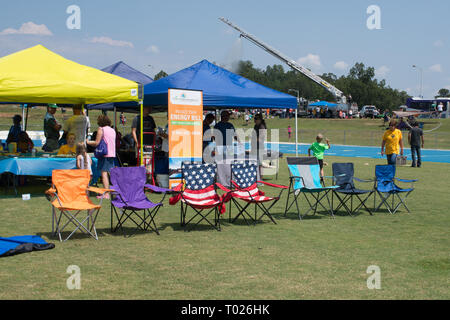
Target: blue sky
[(326, 36)]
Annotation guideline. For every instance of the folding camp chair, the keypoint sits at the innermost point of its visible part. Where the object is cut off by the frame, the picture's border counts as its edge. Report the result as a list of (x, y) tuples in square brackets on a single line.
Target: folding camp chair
[(69, 195), (244, 185), (130, 202), (343, 176), (199, 193), (385, 187), (305, 179)]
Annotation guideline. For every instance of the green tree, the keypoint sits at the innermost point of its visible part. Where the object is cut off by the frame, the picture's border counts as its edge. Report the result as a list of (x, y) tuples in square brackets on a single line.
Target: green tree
[(445, 93), (160, 75)]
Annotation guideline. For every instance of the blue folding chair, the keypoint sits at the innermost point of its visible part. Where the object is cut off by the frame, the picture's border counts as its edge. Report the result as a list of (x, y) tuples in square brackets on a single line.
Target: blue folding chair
[(343, 176), (305, 179), (386, 188)]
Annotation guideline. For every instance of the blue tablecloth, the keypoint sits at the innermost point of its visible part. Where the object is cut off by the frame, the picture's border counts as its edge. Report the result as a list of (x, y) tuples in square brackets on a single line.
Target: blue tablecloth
[(42, 167)]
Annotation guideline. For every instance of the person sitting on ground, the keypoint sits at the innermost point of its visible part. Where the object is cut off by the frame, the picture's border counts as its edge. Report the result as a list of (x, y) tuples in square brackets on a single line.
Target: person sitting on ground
[(318, 148), (25, 144), (70, 147)]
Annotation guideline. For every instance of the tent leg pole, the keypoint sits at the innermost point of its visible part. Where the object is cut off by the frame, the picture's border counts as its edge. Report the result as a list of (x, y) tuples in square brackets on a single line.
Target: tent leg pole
[(296, 133), (142, 133)]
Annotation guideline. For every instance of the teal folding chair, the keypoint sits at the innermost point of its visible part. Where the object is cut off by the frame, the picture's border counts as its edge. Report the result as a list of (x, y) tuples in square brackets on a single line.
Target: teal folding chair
[(305, 180)]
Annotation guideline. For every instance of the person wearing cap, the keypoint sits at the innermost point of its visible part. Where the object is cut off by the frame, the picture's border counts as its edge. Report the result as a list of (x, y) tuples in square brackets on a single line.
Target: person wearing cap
[(14, 131), (51, 129)]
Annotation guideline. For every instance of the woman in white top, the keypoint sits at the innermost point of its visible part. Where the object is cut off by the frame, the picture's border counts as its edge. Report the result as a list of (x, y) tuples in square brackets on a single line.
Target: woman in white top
[(84, 161)]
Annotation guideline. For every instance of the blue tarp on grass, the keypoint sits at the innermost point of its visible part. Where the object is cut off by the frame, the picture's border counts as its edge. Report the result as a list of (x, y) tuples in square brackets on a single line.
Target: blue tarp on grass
[(21, 244)]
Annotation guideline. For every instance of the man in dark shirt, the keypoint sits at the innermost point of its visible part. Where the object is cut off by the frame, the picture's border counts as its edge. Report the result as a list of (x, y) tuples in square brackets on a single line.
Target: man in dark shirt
[(51, 129), (415, 139), (14, 131), (224, 126), (149, 126)]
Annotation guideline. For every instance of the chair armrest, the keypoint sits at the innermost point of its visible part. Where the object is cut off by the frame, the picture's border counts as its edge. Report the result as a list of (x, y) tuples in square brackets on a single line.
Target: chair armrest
[(273, 185), (363, 180), (157, 189), (404, 180), (51, 191), (223, 188), (100, 190)]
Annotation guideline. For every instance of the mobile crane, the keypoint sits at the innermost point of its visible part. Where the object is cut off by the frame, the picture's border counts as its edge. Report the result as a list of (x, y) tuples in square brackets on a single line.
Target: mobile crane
[(338, 94)]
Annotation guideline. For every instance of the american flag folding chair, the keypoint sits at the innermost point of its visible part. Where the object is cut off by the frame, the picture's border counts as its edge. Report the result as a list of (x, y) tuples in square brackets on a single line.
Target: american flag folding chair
[(386, 188), (305, 179), (244, 187), (198, 192)]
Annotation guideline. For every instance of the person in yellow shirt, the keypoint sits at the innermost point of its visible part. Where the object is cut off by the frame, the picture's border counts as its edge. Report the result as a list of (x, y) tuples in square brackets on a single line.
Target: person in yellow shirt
[(392, 140), (70, 147)]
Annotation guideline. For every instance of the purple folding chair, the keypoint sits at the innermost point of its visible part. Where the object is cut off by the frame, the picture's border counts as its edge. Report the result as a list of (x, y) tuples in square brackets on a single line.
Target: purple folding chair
[(129, 199)]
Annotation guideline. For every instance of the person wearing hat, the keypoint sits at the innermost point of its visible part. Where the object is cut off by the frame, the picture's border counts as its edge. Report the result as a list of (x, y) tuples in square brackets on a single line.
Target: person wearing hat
[(14, 131), (51, 129)]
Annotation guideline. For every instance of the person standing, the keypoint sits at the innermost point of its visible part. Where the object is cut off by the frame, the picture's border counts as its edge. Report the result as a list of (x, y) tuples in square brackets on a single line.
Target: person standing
[(289, 132), (209, 119), (108, 135), (318, 149), (51, 129), (226, 129), (77, 124), (415, 139), (149, 126), (258, 139), (440, 109), (392, 141)]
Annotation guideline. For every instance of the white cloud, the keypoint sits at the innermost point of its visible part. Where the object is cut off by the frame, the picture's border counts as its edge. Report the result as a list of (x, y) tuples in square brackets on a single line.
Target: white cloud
[(382, 71), (436, 68), (111, 42), (29, 28), (438, 43), (153, 49), (341, 65), (311, 61)]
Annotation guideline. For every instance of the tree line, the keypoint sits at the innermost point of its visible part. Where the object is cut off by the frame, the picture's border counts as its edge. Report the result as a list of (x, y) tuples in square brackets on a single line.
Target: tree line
[(360, 83)]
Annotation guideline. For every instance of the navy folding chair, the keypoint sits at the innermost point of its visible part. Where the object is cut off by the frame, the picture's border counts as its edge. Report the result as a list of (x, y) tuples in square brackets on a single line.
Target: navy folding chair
[(305, 179), (343, 176), (386, 188)]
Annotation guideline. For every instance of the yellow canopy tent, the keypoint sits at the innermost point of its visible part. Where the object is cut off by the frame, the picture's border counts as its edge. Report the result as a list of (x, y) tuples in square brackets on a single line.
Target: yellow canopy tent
[(38, 75)]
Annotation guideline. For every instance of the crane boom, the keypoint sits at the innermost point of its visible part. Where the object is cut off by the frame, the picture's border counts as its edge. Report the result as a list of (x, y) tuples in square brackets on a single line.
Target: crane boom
[(291, 63)]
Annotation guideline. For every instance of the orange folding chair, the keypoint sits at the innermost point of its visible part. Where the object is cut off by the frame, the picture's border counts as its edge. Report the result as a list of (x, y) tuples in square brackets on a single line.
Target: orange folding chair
[(69, 196)]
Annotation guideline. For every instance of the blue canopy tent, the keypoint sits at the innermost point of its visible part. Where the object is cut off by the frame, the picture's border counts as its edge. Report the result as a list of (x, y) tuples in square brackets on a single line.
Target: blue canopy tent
[(221, 89), (123, 70)]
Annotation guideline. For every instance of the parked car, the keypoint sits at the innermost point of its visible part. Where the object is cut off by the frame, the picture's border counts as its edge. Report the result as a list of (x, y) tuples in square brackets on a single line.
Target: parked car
[(369, 112)]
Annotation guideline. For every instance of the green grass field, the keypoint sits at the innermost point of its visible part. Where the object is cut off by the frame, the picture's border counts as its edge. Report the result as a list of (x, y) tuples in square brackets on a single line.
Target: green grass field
[(316, 258)]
